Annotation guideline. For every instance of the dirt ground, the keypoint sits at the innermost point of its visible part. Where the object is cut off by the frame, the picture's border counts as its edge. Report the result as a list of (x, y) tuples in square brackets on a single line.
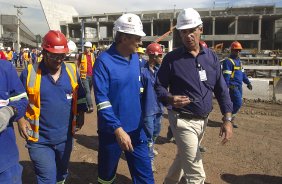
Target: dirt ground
[(253, 156)]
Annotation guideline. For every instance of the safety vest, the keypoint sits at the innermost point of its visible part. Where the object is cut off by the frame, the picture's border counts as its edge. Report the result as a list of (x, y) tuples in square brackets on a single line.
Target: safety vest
[(235, 68), (9, 55), (83, 65), (25, 56), (33, 92), (39, 58)]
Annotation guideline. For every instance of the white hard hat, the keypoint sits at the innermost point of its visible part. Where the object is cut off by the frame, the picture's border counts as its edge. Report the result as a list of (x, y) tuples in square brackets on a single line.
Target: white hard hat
[(188, 18), (88, 44), (129, 23), (72, 46), (9, 48), (1, 48)]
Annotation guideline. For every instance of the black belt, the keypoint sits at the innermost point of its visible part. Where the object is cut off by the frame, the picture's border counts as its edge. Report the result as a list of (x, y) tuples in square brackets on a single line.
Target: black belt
[(185, 115)]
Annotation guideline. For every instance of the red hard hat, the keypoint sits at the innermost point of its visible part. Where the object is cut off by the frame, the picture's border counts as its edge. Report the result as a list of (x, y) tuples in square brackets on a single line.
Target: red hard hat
[(236, 45), (55, 42), (203, 44), (154, 48)]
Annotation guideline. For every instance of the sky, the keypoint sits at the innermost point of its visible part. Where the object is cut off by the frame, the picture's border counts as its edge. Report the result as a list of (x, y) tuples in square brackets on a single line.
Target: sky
[(33, 16)]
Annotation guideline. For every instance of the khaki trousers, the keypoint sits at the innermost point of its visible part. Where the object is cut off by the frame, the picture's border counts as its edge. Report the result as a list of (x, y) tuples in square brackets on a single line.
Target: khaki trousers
[(188, 134)]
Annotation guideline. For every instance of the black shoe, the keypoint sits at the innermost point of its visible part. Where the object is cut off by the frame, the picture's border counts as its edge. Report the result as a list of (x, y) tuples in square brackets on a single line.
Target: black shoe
[(202, 149), (235, 125), (90, 110)]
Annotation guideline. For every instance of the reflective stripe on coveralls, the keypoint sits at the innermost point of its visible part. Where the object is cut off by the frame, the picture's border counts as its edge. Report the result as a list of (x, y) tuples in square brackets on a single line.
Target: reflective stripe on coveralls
[(106, 182), (33, 90), (232, 73), (103, 105)]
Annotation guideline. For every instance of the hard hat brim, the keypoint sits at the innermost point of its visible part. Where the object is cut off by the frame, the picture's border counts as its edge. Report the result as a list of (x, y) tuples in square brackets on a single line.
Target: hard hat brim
[(57, 51)]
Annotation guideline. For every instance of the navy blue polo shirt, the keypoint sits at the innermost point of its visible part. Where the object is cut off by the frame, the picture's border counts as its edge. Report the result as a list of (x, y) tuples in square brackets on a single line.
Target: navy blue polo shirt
[(180, 73)]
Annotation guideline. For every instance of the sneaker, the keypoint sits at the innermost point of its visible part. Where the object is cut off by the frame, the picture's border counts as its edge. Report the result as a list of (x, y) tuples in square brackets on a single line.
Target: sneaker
[(202, 149), (155, 152)]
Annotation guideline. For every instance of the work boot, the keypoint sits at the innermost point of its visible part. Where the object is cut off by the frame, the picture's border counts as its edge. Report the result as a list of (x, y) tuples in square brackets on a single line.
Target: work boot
[(233, 122), (235, 125), (202, 149)]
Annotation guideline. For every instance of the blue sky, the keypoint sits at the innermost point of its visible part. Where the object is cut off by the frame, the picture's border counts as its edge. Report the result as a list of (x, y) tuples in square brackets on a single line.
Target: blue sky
[(34, 18)]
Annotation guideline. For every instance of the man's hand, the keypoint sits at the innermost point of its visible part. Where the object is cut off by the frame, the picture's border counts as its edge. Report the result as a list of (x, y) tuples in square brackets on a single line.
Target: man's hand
[(24, 128), (123, 140), (226, 130), (178, 101), (79, 121), (5, 115), (249, 86)]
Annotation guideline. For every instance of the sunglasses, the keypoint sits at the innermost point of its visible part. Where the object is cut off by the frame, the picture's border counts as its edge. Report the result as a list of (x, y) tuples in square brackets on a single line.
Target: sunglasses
[(56, 57), (156, 56)]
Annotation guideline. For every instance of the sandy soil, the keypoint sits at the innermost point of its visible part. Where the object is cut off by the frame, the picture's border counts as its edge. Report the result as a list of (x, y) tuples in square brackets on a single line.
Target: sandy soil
[(253, 156)]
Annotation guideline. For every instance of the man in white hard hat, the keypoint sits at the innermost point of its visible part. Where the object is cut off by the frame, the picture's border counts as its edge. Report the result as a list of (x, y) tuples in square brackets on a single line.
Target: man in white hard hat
[(116, 80), (85, 64), (192, 73)]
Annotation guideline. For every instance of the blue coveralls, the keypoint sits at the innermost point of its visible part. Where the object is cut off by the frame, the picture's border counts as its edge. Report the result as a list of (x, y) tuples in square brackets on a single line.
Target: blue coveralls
[(51, 154), (234, 76), (10, 86), (117, 93), (152, 108)]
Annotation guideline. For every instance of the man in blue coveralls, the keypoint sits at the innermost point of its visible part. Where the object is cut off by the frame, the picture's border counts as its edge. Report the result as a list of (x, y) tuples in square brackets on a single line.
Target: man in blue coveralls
[(57, 103), (117, 85), (234, 76), (152, 108), (13, 103), (186, 81)]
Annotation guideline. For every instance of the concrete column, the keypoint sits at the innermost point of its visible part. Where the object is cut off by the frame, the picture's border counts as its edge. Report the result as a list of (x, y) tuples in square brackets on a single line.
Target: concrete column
[(152, 27), (170, 43), (236, 26), (67, 31), (213, 29), (98, 31), (259, 32)]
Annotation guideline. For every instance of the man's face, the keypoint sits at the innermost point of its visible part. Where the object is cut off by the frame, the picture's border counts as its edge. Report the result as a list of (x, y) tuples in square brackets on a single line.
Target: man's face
[(87, 49), (156, 59), (54, 61), (191, 37), (235, 52), (132, 42)]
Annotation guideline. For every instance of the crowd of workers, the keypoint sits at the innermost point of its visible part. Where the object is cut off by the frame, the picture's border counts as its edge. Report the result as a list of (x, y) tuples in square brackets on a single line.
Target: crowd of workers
[(130, 95)]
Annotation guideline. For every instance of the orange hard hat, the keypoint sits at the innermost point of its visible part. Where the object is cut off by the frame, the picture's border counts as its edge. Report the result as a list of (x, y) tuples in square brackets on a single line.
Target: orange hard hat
[(203, 44), (154, 48), (55, 42), (236, 45)]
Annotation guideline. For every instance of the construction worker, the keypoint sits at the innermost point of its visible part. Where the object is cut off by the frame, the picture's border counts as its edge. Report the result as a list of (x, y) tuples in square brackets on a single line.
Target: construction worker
[(186, 81), (2, 53), (116, 80), (140, 52), (85, 63), (234, 76), (15, 58), (54, 112), (152, 108), (26, 57), (9, 55), (13, 103)]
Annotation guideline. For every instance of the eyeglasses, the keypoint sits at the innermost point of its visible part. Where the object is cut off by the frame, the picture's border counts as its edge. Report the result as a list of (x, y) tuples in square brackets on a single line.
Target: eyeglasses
[(156, 56), (188, 31), (56, 57)]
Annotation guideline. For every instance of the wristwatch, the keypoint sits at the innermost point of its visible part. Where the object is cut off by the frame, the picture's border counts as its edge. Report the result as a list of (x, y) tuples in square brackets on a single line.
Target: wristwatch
[(226, 118), (15, 110)]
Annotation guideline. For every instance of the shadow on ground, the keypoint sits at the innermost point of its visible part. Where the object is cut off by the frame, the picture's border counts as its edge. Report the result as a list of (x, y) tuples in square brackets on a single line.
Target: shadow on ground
[(79, 172), (251, 179)]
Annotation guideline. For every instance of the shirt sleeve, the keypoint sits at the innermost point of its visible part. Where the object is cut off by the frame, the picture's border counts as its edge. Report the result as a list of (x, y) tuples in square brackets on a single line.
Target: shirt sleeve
[(221, 91), (227, 69), (18, 97), (162, 81), (101, 82), (245, 78)]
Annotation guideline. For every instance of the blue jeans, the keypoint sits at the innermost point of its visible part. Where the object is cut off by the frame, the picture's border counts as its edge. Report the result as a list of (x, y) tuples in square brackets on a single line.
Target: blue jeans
[(152, 127), (87, 84), (13, 175), (50, 161)]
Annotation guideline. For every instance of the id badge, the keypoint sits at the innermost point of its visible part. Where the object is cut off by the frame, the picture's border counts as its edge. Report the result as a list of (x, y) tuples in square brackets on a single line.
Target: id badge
[(203, 75)]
